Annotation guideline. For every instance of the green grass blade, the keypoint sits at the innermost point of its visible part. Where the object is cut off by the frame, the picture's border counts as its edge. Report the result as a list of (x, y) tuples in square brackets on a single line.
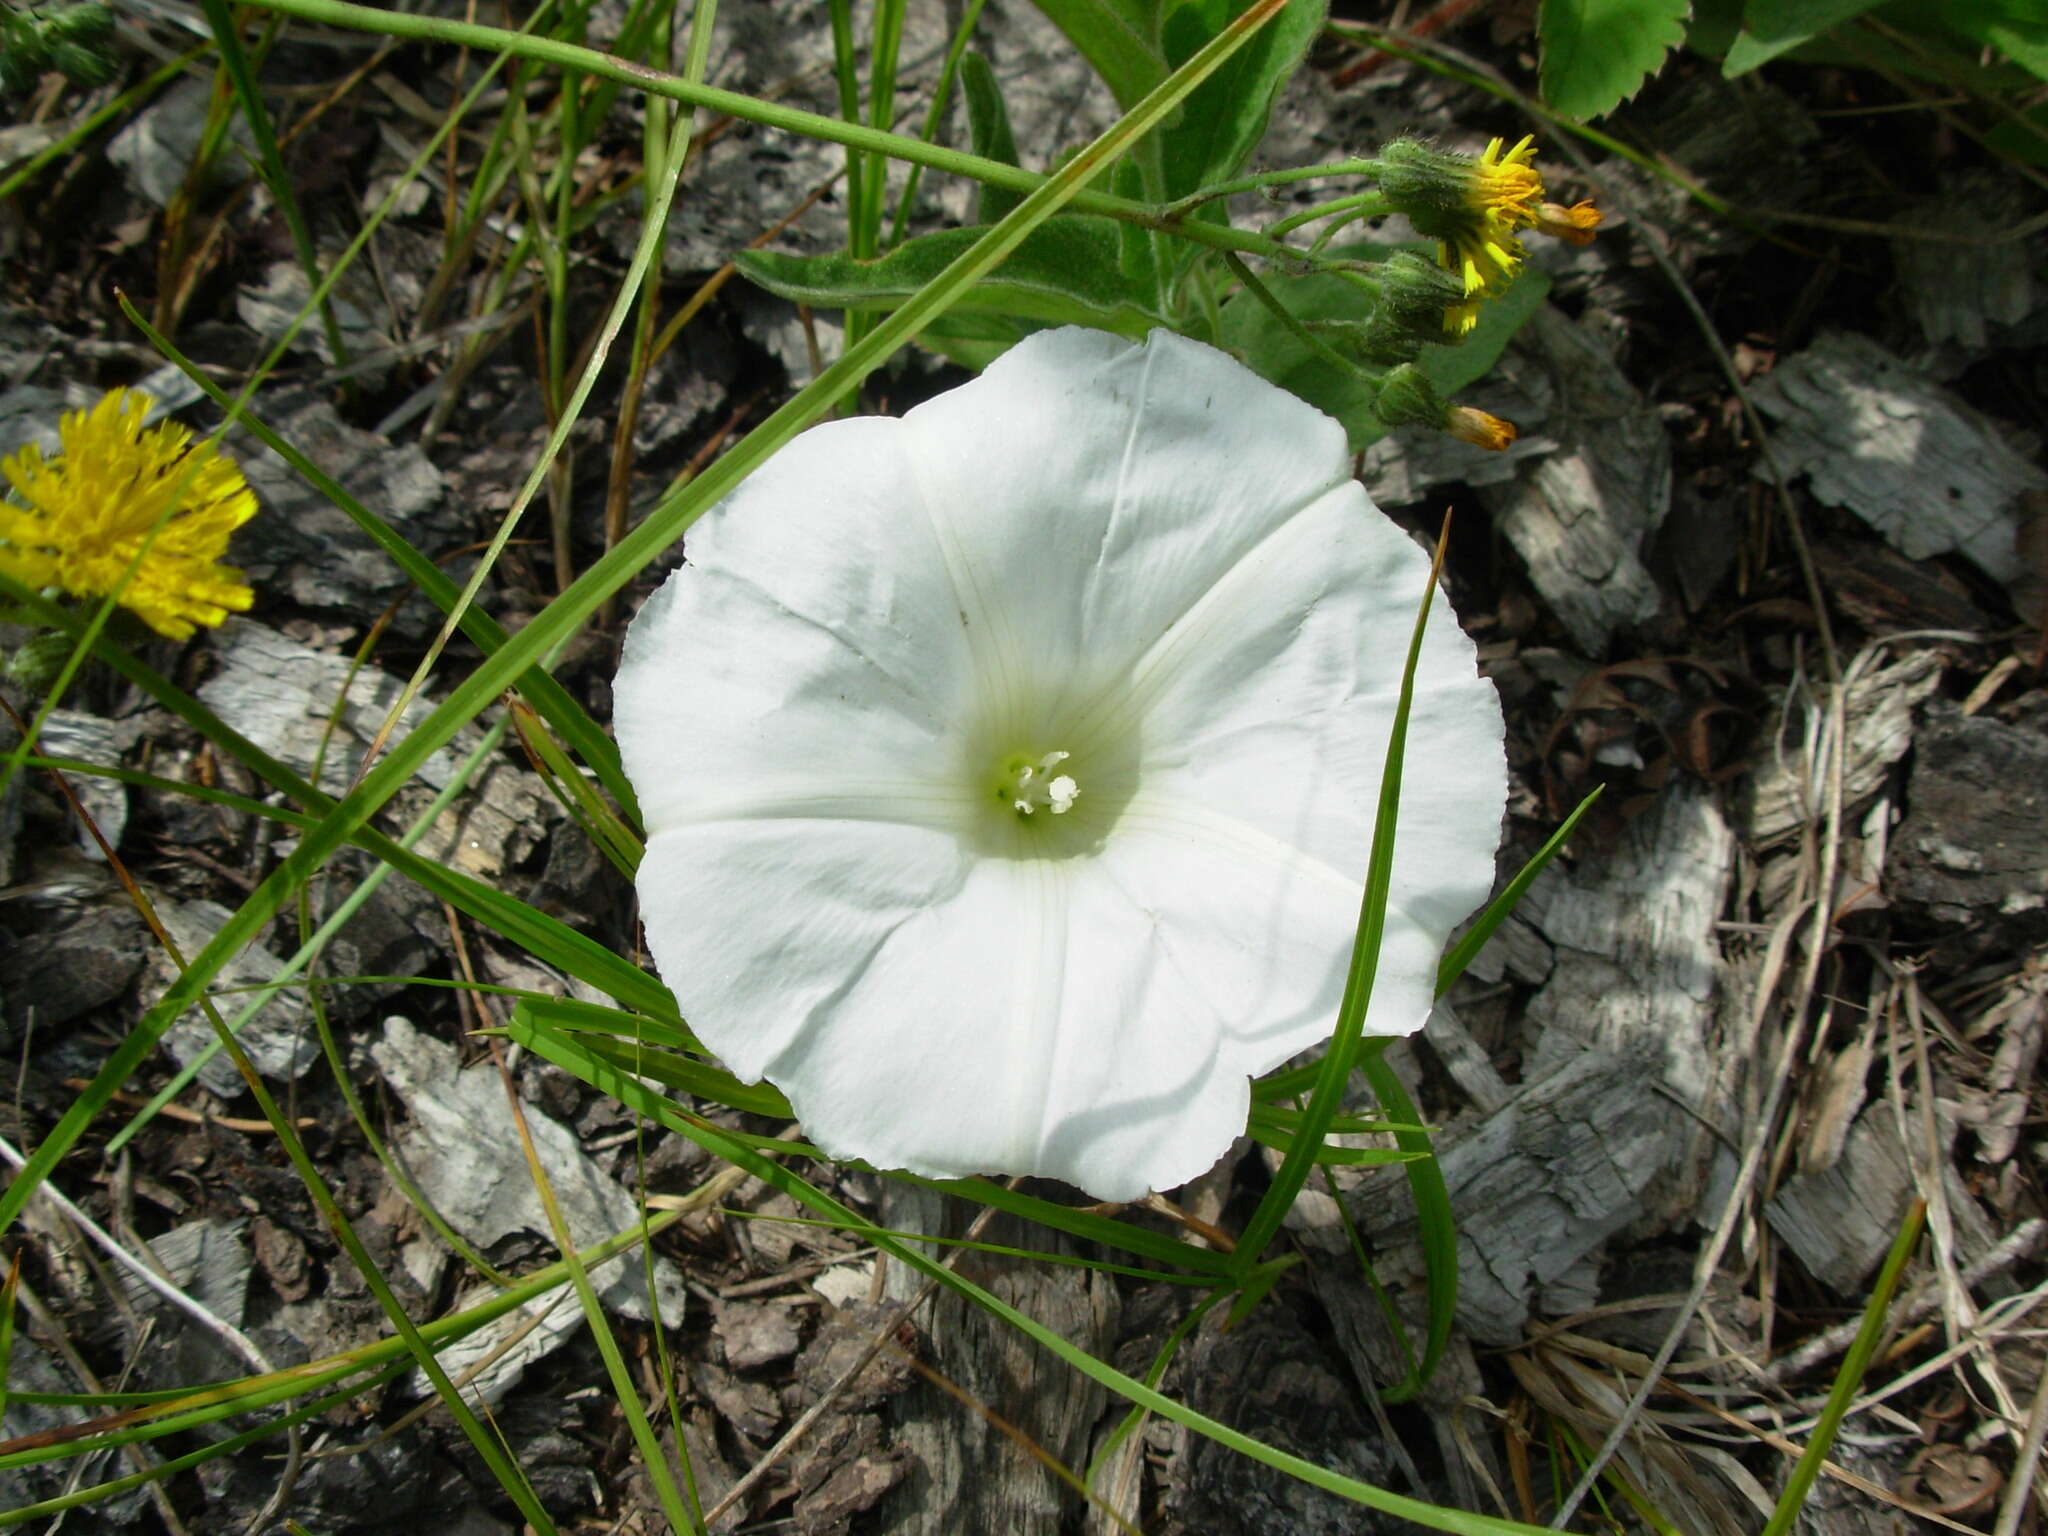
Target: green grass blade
[(846, 71), (554, 703), (227, 37), (942, 96), (1497, 911), (544, 1029), (636, 1095), (496, 41), (1435, 1219), (652, 1458), (1850, 1376)]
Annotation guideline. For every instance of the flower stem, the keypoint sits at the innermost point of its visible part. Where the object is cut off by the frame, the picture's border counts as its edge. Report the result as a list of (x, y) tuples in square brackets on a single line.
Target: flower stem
[(1266, 179), (1294, 327)]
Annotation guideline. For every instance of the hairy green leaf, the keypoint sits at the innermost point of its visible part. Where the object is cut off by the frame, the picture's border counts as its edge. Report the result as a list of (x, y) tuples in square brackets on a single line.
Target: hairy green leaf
[(1222, 123), (1064, 272), (1119, 38)]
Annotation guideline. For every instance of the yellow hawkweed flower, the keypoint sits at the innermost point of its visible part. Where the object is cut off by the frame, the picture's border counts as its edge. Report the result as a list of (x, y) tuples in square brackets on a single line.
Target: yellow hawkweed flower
[(119, 497), (1482, 251), (1574, 225)]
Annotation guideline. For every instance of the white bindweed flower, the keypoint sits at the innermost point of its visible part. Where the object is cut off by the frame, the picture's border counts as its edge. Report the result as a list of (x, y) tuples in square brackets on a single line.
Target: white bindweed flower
[(1009, 768)]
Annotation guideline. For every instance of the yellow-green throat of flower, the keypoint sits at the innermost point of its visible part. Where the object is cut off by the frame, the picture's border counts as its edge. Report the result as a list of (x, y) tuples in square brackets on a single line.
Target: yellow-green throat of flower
[(1032, 786)]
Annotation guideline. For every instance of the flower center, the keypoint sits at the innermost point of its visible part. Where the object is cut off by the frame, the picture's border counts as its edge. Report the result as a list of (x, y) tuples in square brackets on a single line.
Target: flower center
[(1034, 785)]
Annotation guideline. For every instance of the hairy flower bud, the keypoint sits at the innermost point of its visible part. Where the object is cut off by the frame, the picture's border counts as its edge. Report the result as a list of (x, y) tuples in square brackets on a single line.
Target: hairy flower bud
[(1408, 399)]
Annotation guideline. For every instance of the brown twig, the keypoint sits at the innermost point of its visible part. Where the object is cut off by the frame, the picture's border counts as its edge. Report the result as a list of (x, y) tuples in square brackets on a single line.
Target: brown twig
[(1448, 14), (198, 1116)]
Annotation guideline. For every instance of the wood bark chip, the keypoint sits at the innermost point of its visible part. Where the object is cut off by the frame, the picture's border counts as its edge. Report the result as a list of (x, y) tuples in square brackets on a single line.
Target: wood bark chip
[(1637, 951), (972, 1475), (281, 694), (1973, 847), (1537, 1186), (1899, 451), (1840, 1220), (280, 1038), (304, 548), (1777, 800), (1272, 1379), (1579, 517), (465, 1152)]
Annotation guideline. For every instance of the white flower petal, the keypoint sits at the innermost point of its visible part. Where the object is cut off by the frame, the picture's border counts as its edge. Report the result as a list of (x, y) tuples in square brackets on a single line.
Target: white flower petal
[(1273, 703), (762, 928), (1034, 1022), (1088, 490), (812, 646)]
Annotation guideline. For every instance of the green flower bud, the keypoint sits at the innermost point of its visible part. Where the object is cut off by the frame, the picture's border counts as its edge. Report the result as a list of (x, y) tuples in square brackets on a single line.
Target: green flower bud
[(1408, 399), (1433, 188), (1415, 292)]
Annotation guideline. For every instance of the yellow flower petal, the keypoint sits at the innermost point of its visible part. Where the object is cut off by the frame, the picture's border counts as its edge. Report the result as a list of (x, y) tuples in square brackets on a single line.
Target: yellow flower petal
[(1505, 187)]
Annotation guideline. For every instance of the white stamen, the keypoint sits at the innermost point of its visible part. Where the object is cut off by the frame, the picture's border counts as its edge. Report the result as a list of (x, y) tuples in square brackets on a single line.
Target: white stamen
[(1038, 789)]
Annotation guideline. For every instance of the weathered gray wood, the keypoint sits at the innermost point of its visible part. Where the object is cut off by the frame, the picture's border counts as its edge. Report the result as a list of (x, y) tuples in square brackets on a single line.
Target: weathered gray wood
[(281, 695), (1840, 1220), (1898, 450), (971, 1475), (1272, 1379), (1538, 1185), (1964, 291), (1463, 1058), (73, 733), (308, 550), (1465, 1441), (1974, 845), (1637, 949), (280, 1039), (1578, 517), (466, 1154)]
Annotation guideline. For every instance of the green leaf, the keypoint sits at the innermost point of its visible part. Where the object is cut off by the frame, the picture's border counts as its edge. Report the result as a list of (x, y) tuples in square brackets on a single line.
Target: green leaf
[(1277, 354), (2017, 29), (974, 341), (988, 134), (1713, 27), (1220, 128), (1065, 272), (1119, 38), (1434, 1216), (1772, 27), (1598, 53), (1980, 47), (2023, 138)]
